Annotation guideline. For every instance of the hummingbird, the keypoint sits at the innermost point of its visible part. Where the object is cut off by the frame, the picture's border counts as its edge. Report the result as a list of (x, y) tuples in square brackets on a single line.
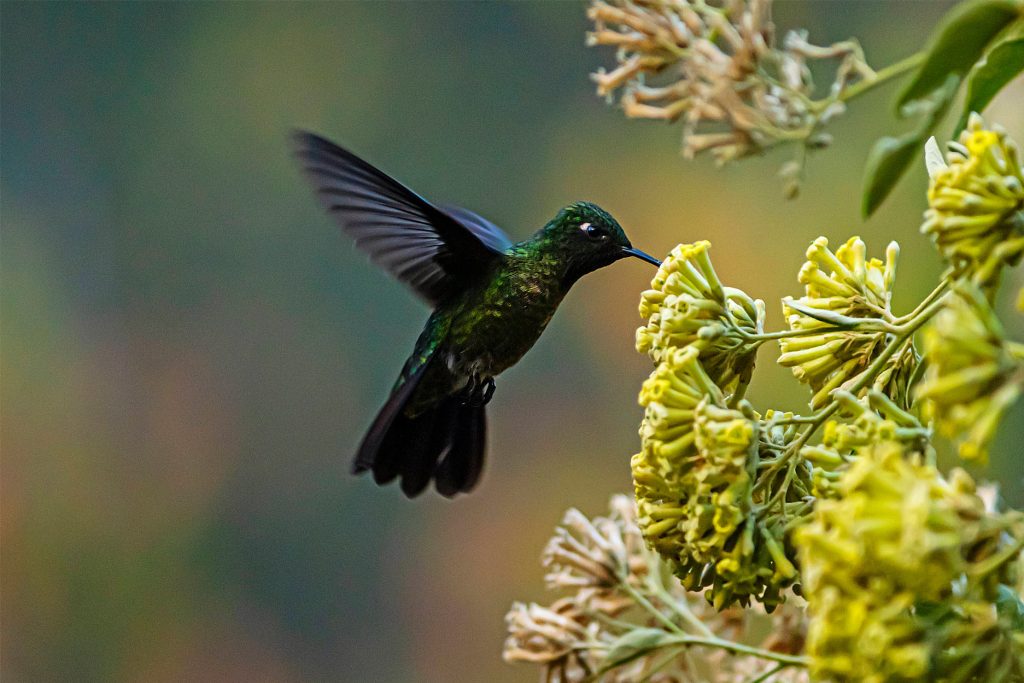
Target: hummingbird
[(491, 301)]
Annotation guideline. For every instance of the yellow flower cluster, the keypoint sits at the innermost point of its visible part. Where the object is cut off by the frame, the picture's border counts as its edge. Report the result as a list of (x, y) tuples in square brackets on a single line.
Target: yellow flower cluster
[(974, 202), (670, 397), (693, 480), (688, 305), (972, 377), (892, 540), (841, 320), (872, 419)]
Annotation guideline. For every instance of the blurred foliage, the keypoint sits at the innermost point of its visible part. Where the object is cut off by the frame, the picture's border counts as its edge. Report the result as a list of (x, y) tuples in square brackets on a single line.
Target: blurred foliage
[(190, 351)]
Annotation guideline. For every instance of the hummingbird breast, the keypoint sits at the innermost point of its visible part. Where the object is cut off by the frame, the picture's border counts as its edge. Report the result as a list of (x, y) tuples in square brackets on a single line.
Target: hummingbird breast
[(496, 324)]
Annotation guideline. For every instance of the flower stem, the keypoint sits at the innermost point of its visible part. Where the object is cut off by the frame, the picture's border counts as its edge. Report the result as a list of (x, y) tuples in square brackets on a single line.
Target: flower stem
[(1016, 349), (642, 600), (813, 422), (683, 611), (781, 334), (997, 561), (738, 648), (935, 293), (768, 674), (922, 316), (882, 76)]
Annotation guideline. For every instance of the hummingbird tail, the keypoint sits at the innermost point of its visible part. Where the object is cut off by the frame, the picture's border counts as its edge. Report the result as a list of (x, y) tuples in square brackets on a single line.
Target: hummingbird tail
[(459, 470), (446, 443)]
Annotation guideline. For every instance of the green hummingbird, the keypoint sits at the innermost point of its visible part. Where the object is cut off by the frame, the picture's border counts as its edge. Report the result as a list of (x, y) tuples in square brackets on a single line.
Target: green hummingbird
[(491, 297)]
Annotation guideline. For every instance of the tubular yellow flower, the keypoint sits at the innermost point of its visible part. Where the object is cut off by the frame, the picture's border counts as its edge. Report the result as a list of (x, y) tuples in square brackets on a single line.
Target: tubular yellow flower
[(972, 377), (872, 419), (974, 202), (847, 297), (693, 481), (670, 396), (726, 441), (894, 538), (875, 418), (688, 306)]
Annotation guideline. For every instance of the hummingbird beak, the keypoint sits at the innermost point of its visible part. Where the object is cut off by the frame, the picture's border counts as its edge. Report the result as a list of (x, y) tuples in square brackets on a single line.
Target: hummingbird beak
[(641, 255)]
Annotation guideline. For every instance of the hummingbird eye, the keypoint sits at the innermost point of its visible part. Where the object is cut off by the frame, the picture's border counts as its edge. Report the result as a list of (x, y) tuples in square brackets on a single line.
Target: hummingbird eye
[(593, 232)]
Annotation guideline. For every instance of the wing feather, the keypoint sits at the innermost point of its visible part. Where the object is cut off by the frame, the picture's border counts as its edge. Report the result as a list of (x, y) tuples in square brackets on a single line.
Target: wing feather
[(434, 250)]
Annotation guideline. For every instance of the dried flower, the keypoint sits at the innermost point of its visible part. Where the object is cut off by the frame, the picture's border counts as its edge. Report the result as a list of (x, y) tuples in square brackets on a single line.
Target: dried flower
[(557, 637), (847, 298), (593, 556), (688, 305), (718, 63), (972, 377), (894, 538), (578, 639), (974, 202)]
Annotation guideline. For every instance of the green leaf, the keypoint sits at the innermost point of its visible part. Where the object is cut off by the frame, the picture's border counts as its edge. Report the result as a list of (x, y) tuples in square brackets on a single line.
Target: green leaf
[(1000, 66), (957, 43), (888, 161), (825, 316), (933, 613), (1009, 607), (634, 644), (892, 156)]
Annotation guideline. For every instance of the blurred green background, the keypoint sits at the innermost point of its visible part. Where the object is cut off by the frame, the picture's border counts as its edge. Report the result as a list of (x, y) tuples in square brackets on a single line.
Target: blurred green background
[(191, 350)]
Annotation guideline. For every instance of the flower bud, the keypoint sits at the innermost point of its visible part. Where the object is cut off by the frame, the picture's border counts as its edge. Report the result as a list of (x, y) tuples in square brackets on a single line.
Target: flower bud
[(974, 203)]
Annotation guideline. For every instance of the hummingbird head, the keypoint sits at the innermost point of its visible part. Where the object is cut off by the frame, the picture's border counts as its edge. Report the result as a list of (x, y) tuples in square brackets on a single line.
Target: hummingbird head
[(588, 238)]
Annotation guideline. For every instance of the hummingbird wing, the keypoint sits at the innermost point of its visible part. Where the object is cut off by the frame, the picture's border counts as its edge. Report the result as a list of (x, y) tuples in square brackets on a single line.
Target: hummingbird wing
[(434, 250), (487, 232)]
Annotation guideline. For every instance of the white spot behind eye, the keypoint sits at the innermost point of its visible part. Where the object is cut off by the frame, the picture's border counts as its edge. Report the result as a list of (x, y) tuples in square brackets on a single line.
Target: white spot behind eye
[(584, 226)]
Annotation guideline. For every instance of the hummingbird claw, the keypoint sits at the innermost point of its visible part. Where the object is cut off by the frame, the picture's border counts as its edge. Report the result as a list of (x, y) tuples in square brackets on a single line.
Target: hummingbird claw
[(478, 394), (488, 390)]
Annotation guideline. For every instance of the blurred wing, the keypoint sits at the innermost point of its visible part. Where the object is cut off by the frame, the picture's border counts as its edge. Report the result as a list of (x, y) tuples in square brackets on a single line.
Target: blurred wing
[(487, 232), (436, 252)]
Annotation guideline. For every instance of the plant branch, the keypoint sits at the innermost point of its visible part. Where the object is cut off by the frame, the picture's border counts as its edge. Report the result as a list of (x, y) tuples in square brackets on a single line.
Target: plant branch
[(769, 673), (882, 76), (738, 648), (642, 600)]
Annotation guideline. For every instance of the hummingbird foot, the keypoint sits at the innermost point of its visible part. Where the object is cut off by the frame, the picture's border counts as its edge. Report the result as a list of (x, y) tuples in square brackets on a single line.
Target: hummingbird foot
[(478, 393), (488, 390)]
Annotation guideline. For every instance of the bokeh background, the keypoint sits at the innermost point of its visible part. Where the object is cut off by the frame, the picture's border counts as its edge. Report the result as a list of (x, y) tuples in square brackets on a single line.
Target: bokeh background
[(191, 350)]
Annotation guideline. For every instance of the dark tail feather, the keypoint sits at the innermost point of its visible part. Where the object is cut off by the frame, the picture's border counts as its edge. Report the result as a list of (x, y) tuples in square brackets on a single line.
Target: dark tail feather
[(450, 433), (418, 461), (460, 470), (367, 455), (405, 445)]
